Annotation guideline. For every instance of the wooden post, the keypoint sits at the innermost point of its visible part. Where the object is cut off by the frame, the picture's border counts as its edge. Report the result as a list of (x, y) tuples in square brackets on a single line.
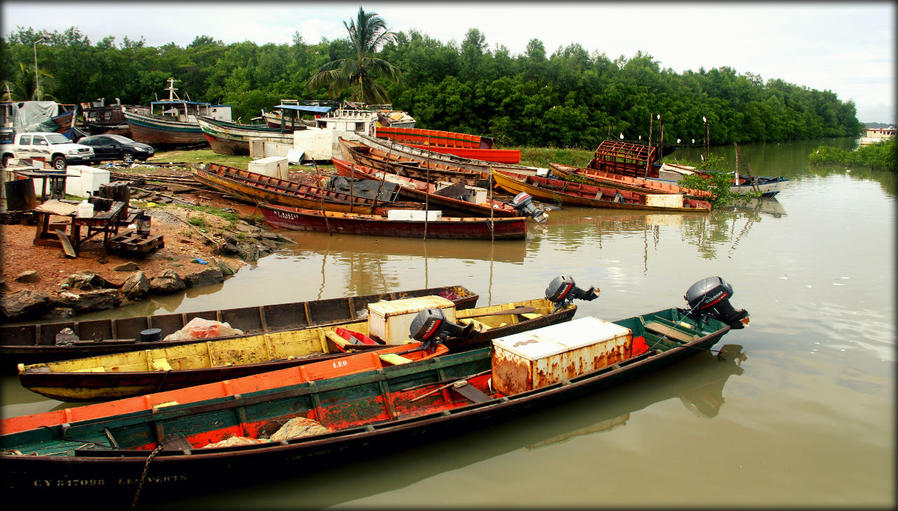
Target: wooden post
[(492, 223), (327, 224), (651, 127), (427, 192)]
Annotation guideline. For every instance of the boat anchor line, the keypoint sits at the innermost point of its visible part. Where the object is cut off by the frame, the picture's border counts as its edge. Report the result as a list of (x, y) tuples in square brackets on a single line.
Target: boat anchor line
[(143, 475)]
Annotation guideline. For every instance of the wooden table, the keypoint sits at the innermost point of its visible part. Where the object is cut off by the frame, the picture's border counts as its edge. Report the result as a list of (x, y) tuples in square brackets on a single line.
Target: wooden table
[(55, 177), (106, 222)]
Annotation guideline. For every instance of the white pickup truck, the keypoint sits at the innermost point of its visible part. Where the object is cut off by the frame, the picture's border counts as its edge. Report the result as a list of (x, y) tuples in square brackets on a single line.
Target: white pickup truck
[(53, 147)]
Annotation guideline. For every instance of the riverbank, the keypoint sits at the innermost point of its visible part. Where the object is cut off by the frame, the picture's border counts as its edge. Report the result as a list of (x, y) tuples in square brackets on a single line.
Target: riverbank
[(204, 233)]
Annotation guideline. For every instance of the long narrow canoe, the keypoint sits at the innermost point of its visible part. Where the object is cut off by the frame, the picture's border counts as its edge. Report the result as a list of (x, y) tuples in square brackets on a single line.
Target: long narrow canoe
[(245, 435), (158, 130), (360, 154), (450, 142), (261, 188), (335, 222), (231, 138), (622, 182), (579, 194), (420, 191), (142, 371), (36, 343), (449, 161)]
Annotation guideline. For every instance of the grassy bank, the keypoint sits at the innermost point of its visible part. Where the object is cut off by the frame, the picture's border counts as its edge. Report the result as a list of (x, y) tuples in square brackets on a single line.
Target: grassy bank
[(881, 155)]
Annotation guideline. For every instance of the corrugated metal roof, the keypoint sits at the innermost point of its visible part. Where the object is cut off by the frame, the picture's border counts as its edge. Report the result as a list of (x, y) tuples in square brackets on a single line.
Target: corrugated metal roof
[(306, 108)]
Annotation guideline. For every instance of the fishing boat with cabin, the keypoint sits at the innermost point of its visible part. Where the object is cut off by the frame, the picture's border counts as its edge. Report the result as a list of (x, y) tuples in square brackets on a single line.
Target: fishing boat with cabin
[(172, 121)]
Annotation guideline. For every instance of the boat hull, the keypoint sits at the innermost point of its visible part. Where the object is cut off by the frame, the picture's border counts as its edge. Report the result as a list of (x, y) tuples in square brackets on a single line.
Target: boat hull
[(155, 130), (232, 138), (255, 187), (36, 343), (503, 228), (78, 380), (366, 419), (576, 194)]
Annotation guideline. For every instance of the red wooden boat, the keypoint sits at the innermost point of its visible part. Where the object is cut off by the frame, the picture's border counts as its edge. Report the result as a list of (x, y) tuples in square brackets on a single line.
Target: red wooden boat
[(261, 188), (333, 222), (419, 190), (448, 142)]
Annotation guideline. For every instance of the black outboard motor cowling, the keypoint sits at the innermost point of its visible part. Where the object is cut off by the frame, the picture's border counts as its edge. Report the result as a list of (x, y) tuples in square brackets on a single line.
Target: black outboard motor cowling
[(563, 290), (711, 297), (431, 327), (524, 204)]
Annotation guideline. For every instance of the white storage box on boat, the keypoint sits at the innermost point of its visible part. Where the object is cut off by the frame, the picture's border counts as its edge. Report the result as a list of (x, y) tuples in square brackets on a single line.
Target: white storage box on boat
[(272, 166), (390, 321), (537, 358), (414, 215), (664, 200)]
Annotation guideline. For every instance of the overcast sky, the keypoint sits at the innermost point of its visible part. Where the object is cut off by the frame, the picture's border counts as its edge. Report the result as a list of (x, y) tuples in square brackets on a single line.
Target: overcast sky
[(847, 48)]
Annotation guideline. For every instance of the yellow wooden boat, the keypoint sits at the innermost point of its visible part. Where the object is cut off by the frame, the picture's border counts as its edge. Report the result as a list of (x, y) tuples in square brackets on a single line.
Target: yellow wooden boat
[(132, 373)]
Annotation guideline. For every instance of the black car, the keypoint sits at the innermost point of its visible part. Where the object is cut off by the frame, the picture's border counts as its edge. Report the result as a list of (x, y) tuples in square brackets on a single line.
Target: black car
[(117, 147)]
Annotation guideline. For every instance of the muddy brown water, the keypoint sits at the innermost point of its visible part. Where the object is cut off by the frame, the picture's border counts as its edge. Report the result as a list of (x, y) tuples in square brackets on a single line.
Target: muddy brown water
[(797, 411)]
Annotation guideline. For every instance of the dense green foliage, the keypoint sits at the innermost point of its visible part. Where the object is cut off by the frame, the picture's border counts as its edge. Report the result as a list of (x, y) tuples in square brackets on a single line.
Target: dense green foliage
[(571, 98), (881, 155)]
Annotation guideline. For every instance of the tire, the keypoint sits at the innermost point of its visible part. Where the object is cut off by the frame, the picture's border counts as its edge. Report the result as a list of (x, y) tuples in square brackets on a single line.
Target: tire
[(59, 162), (127, 157)]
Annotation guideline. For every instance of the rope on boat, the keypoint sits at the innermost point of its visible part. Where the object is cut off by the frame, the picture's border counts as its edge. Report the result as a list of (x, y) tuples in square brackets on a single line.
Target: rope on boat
[(143, 476)]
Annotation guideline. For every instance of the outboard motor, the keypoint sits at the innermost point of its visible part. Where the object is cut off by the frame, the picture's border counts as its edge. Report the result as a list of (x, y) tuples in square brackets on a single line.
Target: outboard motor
[(431, 327), (711, 297), (562, 291), (523, 202)]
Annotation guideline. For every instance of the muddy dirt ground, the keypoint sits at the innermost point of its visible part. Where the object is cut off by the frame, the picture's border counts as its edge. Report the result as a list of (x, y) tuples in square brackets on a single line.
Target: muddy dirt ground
[(185, 237)]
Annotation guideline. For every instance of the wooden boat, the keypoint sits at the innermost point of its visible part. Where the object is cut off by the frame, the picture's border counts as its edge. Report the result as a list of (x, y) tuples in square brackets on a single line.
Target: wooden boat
[(579, 194), (436, 195), (239, 438), (231, 138), (168, 122), (360, 154), (288, 114), (620, 181), (406, 226), (740, 184), (143, 371), (459, 144), (256, 188), (404, 152), (36, 343)]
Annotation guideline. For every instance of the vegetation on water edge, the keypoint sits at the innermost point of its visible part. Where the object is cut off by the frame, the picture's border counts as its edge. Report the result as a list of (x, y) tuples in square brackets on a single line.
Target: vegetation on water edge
[(572, 97), (718, 185), (881, 155)]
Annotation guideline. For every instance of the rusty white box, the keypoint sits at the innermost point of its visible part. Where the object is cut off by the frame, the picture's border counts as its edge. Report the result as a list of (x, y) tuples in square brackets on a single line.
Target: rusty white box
[(414, 215), (541, 357), (389, 320), (665, 200)]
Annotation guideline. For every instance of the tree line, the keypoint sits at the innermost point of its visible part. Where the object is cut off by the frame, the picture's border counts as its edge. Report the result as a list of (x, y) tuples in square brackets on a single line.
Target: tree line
[(570, 98)]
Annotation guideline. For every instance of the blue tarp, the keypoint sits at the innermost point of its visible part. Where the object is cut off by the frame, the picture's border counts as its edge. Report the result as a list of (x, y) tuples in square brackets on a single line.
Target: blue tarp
[(306, 108)]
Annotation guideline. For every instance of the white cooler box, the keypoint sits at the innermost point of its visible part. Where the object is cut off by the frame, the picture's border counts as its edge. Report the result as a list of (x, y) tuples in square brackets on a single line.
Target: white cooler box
[(537, 358), (390, 321)]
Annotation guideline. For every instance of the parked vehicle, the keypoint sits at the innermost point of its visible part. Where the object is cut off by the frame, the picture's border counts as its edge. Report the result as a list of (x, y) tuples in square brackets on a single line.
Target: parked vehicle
[(117, 147), (53, 147)]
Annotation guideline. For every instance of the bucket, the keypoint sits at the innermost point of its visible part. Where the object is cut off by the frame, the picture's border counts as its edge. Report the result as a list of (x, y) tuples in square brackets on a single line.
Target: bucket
[(143, 223), (85, 209), (150, 334)]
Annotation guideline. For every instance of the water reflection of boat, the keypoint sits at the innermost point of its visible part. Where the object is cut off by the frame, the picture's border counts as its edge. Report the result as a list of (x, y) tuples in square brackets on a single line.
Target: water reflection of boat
[(704, 374), (766, 205)]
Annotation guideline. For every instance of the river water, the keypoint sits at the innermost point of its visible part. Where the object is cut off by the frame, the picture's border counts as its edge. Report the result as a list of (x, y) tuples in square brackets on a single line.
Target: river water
[(797, 410)]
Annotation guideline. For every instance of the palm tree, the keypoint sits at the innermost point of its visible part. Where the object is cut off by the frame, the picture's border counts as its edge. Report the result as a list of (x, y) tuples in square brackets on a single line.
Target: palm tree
[(367, 33)]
